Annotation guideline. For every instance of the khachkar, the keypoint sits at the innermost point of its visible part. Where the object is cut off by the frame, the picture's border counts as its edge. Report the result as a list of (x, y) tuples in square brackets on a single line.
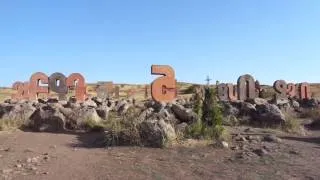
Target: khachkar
[(247, 88)]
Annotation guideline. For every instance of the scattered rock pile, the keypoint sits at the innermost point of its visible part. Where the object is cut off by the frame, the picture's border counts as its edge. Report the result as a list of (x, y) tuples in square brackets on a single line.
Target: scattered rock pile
[(154, 123), (257, 112)]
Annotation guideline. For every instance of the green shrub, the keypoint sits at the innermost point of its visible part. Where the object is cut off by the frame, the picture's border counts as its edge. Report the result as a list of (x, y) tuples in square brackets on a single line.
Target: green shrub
[(209, 124)]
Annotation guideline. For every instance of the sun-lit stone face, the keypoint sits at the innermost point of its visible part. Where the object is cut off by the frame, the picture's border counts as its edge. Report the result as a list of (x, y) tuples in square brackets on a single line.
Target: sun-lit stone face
[(163, 89), (247, 88), (41, 84), (38, 85)]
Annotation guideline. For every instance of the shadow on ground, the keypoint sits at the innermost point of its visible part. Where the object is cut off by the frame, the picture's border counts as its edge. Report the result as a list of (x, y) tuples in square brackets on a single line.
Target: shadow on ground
[(89, 140), (84, 139), (314, 140)]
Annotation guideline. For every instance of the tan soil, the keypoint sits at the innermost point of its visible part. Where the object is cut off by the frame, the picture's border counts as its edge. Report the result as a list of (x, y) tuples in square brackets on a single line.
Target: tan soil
[(76, 156)]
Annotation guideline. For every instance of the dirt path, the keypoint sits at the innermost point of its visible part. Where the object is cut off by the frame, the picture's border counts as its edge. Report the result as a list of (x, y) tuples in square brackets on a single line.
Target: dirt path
[(37, 156)]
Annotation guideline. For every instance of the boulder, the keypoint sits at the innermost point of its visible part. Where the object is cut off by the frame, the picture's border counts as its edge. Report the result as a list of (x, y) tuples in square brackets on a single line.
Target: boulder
[(98, 101), (85, 117), (168, 130), (247, 109), (20, 113), (122, 107), (295, 104), (157, 106), (166, 115), (5, 108), (156, 133), (309, 103), (89, 103), (181, 128), (73, 105), (144, 115), (229, 109), (269, 115), (81, 118), (42, 101), (63, 102), (47, 119), (183, 114), (258, 101), (53, 100), (282, 102), (103, 111)]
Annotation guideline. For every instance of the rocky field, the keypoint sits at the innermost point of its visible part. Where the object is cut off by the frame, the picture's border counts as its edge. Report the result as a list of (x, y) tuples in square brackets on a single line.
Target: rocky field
[(143, 139)]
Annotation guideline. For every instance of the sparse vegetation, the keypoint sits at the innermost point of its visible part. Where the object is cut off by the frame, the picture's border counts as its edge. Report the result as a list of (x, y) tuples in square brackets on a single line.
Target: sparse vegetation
[(291, 124), (209, 124), (267, 93), (91, 125), (122, 130), (9, 124), (190, 90), (313, 114)]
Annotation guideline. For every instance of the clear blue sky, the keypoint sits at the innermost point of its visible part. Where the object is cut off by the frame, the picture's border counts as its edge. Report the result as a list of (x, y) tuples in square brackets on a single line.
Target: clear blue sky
[(120, 39)]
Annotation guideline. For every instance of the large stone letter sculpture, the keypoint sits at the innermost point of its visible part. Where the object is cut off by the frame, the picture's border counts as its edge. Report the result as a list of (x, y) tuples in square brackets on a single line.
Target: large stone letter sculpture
[(105, 89), (163, 89), (246, 87), (19, 87), (102, 91), (117, 92), (223, 92), (280, 86), (305, 91), (232, 92), (57, 83), (34, 87), (146, 92), (77, 81), (291, 91)]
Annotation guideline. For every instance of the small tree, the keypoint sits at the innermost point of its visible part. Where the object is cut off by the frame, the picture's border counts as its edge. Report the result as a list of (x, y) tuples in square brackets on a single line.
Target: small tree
[(209, 124)]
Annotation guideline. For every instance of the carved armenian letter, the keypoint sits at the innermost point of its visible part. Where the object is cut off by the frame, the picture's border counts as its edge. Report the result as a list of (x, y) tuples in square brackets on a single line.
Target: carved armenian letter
[(77, 81), (292, 90), (34, 86), (232, 92), (117, 92), (19, 87), (246, 87), (146, 92), (163, 89), (223, 92), (305, 91), (280, 86), (58, 84)]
